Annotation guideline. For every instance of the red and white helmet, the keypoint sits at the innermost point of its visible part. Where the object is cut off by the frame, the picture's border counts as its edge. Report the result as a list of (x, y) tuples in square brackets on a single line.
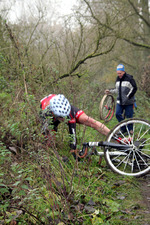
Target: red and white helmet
[(46, 101), (60, 106)]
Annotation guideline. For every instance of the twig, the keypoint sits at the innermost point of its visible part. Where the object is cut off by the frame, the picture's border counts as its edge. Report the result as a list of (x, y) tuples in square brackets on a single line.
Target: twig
[(94, 182)]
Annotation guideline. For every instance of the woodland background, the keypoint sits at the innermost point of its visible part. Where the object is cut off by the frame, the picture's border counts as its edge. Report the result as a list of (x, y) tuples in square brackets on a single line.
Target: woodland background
[(75, 55)]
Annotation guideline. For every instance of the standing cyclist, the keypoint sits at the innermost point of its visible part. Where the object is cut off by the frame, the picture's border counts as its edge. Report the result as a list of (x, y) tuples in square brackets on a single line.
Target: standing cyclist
[(55, 108), (126, 88)]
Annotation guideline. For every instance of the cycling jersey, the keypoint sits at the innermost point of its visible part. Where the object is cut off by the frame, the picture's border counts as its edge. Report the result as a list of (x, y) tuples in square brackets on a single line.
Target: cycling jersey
[(75, 113), (48, 119)]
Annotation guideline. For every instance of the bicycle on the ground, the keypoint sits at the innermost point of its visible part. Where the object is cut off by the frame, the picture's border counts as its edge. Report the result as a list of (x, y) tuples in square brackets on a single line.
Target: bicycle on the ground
[(127, 155)]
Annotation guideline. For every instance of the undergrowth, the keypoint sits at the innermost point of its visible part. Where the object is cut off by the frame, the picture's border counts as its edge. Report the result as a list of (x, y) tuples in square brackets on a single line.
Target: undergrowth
[(43, 185), (52, 188)]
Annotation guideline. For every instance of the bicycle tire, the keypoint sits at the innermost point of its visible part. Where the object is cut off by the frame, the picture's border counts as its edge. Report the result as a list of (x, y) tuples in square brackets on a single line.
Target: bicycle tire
[(107, 107), (136, 162)]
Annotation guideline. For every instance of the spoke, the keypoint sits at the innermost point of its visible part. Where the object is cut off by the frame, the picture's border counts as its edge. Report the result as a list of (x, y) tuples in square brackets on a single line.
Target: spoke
[(124, 151), (116, 138), (145, 141), (133, 129), (133, 132), (127, 161), (114, 158), (132, 165), (144, 134), (142, 158), (129, 135), (145, 144), (123, 141), (127, 130), (123, 161), (140, 132), (137, 162), (146, 149), (144, 154)]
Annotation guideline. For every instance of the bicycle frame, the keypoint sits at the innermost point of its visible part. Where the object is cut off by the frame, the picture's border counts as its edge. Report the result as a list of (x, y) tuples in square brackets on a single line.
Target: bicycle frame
[(104, 144)]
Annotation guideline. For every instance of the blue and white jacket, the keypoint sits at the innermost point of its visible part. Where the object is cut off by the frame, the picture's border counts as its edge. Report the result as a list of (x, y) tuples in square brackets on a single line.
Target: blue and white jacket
[(125, 88)]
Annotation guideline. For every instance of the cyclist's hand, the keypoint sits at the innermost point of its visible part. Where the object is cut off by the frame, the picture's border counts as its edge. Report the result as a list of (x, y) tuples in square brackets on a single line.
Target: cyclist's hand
[(107, 91)]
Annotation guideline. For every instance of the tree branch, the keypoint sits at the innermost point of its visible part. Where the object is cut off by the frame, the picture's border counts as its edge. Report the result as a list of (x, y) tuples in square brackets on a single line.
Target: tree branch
[(137, 12), (82, 61), (136, 43), (115, 33)]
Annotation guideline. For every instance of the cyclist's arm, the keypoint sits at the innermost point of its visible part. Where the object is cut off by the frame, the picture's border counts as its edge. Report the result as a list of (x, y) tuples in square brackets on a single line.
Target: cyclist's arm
[(111, 91), (72, 132), (133, 83)]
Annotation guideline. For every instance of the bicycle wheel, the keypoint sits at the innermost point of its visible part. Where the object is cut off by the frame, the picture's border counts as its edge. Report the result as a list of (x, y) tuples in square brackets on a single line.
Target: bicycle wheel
[(107, 107), (134, 161)]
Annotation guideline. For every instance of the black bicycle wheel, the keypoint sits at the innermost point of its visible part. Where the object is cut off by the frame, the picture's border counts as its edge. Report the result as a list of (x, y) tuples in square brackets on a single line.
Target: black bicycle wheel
[(107, 107), (134, 161)]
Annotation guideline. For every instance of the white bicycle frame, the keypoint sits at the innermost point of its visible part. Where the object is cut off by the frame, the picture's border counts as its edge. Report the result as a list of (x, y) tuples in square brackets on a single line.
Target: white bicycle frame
[(103, 144)]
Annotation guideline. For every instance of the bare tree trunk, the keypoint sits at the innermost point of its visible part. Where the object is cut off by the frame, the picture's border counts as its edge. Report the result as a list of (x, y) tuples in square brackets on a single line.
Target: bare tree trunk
[(146, 28)]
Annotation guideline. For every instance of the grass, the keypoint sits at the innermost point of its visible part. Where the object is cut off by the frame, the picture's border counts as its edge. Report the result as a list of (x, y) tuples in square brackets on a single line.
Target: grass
[(50, 187), (106, 198)]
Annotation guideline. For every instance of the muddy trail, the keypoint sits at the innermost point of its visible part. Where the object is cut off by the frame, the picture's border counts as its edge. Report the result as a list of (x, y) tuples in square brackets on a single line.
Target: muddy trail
[(144, 210)]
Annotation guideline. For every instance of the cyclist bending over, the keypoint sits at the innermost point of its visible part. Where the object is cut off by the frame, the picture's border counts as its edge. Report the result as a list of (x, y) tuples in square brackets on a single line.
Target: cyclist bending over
[(55, 108)]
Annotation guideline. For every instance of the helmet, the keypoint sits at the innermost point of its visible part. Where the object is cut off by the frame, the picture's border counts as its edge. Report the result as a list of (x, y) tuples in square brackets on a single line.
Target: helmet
[(60, 106), (46, 101)]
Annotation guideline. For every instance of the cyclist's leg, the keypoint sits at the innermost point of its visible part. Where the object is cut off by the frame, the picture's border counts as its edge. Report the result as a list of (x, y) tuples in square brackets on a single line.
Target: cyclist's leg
[(129, 111), (129, 114), (119, 112), (88, 121), (119, 115)]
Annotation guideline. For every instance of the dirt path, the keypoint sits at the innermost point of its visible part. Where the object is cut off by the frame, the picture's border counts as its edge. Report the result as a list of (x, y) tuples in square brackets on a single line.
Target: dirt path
[(145, 202)]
